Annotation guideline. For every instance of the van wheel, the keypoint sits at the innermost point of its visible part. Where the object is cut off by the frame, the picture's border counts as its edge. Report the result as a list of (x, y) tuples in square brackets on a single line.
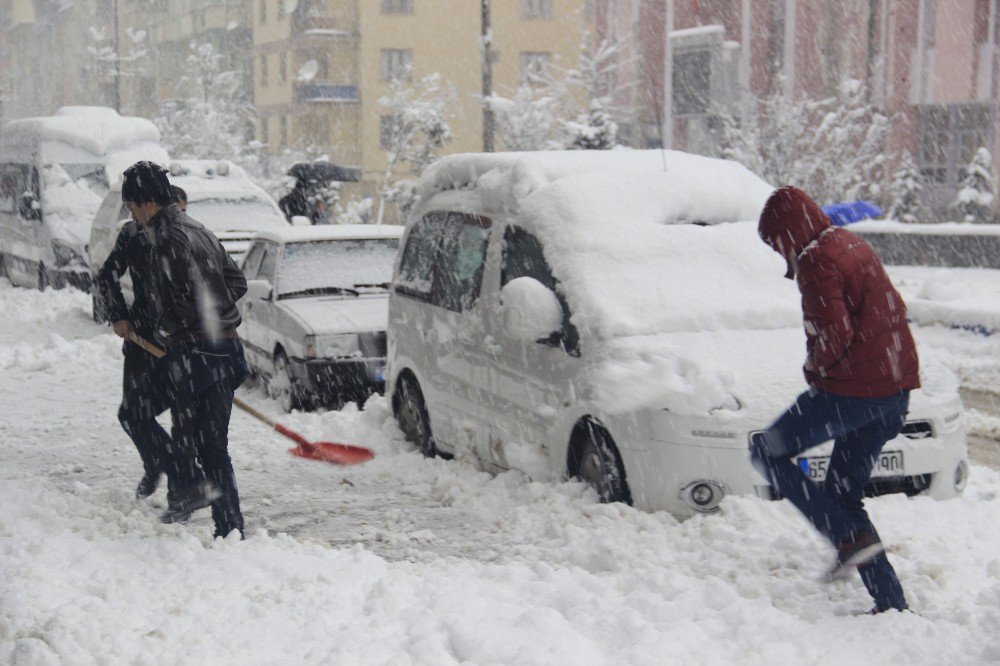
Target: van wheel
[(281, 386), (412, 417), (594, 460)]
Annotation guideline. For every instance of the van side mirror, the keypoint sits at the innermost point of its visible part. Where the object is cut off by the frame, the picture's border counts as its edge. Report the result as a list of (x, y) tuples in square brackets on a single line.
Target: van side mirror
[(29, 208), (259, 290), (531, 311)]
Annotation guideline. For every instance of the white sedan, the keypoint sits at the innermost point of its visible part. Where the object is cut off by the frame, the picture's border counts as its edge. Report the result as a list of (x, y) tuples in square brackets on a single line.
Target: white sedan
[(314, 316)]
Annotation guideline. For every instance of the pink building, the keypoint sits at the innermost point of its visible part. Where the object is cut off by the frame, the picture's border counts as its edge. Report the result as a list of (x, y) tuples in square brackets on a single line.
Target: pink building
[(932, 64)]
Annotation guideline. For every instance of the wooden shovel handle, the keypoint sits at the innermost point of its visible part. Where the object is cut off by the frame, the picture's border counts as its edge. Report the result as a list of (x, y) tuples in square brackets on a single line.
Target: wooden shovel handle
[(145, 344)]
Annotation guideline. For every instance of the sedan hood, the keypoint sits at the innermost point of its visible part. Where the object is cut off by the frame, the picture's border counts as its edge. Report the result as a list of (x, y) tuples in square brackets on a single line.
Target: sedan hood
[(752, 374), (340, 314)]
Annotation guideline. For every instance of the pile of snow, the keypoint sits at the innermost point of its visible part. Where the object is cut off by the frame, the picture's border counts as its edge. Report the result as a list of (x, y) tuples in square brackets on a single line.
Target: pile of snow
[(413, 560), (964, 297)]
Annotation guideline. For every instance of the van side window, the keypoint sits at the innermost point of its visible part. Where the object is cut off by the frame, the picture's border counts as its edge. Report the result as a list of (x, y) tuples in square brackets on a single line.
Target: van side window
[(252, 261), (523, 257), (458, 275), (13, 185), (417, 267)]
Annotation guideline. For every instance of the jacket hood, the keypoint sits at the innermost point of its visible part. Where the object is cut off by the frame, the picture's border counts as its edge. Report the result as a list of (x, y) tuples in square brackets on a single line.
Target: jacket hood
[(790, 221)]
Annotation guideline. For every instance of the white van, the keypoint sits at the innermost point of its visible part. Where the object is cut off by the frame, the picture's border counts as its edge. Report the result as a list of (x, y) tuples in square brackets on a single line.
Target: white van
[(608, 316), (53, 175)]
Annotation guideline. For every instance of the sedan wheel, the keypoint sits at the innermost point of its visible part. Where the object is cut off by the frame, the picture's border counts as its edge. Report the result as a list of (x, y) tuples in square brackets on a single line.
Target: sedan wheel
[(599, 466), (280, 385), (412, 418)]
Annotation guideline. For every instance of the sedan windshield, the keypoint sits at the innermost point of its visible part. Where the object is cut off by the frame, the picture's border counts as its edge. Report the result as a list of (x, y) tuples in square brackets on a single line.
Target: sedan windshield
[(344, 267)]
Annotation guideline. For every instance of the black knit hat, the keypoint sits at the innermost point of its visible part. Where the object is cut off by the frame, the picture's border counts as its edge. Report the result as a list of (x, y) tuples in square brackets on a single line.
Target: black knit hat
[(146, 182)]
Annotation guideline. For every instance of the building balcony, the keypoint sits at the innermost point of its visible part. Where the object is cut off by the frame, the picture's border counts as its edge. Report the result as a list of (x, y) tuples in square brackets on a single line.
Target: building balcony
[(337, 20), (326, 92)]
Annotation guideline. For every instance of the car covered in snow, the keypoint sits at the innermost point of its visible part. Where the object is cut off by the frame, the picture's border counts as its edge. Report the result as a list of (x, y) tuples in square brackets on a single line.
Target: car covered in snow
[(614, 316), (54, 172), (315, 311), (220, 196)]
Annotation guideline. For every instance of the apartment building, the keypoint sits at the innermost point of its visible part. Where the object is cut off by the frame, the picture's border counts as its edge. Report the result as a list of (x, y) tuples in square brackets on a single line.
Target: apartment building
[(932, 65), (171, 28), (50, 55), (321, 68)]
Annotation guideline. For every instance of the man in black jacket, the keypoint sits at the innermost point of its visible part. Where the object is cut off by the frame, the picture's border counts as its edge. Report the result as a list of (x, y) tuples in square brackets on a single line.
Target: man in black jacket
[(131, 255), (196, 286)]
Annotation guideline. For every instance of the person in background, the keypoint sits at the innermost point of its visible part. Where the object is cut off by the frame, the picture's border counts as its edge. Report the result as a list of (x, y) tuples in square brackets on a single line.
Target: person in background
[(130, 256), (195, 285), (861, 364)]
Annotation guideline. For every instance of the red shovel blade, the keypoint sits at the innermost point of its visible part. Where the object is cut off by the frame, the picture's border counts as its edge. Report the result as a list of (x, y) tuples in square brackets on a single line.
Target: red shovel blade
[(341, 454)]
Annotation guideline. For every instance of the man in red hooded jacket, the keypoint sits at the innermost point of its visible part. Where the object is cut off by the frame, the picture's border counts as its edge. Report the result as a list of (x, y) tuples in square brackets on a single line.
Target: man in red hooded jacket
[(861, 364)]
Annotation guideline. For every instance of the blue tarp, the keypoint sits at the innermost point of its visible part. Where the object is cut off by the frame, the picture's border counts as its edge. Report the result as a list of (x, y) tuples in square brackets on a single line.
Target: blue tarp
[(852, 211)]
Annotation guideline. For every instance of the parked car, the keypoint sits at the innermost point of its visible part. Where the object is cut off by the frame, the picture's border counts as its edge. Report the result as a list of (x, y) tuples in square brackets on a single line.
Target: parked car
[(315, 311), (608, 316), (220, 195), (53, 175)]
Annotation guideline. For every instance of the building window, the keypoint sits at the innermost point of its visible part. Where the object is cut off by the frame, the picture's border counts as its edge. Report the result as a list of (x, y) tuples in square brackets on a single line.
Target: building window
[(397, 6), (536, 9), (282, 68), (283, 131), (949, 136), (691, 80), (263, 71), (385, 132), (281, 9), (533, 66), (396, 64), (263, 12), (263, 131), (324, 67)]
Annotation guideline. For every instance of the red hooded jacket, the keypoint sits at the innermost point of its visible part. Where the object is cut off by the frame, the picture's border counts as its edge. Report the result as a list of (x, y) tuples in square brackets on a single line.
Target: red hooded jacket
[(858, 342)]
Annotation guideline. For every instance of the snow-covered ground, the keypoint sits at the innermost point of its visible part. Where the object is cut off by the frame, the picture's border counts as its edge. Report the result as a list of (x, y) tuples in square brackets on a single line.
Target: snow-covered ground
[(406, 560)]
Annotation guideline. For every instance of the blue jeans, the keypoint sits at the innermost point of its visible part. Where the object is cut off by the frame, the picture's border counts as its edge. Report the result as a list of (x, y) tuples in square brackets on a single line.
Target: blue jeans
[(859, 428), (197, 381)]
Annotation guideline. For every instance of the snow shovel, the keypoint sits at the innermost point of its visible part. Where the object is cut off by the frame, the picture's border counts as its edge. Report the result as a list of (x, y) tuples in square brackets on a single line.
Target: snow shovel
[(340, 454)]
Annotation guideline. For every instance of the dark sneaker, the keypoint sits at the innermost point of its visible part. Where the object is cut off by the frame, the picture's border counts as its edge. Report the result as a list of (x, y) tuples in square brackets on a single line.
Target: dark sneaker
[(190, 500), (147, 485), (852, 554)]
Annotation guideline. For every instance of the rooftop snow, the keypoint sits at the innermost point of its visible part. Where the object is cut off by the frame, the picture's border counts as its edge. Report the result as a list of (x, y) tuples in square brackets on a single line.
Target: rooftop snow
[(610, 223), (92, 129), (330, 232)]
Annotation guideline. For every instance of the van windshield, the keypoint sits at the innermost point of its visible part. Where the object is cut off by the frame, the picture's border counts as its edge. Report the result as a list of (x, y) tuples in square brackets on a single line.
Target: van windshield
[(337, 266), (236, 214)]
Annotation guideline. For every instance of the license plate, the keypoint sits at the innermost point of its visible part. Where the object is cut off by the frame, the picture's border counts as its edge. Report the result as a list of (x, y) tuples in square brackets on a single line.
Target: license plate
[(889, 463)]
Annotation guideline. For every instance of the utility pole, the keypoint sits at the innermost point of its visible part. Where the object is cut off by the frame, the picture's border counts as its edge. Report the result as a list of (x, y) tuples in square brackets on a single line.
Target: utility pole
[(118, 65), (486, 37)]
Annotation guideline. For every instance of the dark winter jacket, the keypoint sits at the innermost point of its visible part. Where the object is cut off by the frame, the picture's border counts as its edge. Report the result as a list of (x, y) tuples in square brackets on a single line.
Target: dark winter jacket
[(858, 342), (196, 283), (130, 254), (294, 204)]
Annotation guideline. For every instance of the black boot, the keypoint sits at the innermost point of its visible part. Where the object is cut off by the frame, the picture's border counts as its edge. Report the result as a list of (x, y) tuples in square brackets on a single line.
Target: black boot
[(147, 485), (189, 500)]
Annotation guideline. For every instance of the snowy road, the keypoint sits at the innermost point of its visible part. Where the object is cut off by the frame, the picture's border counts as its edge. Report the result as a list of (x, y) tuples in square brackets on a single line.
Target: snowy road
[(406, 560)]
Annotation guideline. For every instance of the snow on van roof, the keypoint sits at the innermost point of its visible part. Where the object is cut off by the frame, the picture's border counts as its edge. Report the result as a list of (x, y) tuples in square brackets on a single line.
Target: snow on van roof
[(331, 232), (611, 226), (95, 130)]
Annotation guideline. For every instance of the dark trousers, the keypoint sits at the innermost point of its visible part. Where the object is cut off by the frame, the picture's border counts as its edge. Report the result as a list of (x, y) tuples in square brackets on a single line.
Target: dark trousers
[(197, 380), (150, 439), (859, 428)]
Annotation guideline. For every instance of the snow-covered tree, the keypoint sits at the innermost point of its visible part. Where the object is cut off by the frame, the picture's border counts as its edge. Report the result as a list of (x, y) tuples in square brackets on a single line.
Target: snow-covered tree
[(974, 201), (832, 148), (108, 60), (212, 116), (414, 130), (579, 107), (907, 192)]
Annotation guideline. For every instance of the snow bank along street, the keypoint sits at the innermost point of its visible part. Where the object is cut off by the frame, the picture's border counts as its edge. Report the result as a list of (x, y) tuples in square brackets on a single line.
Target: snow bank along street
[(411, 560)]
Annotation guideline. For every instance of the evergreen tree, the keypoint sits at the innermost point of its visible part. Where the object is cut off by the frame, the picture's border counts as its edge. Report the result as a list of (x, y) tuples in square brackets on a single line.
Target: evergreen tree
[(907, 192), (974, 201)]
